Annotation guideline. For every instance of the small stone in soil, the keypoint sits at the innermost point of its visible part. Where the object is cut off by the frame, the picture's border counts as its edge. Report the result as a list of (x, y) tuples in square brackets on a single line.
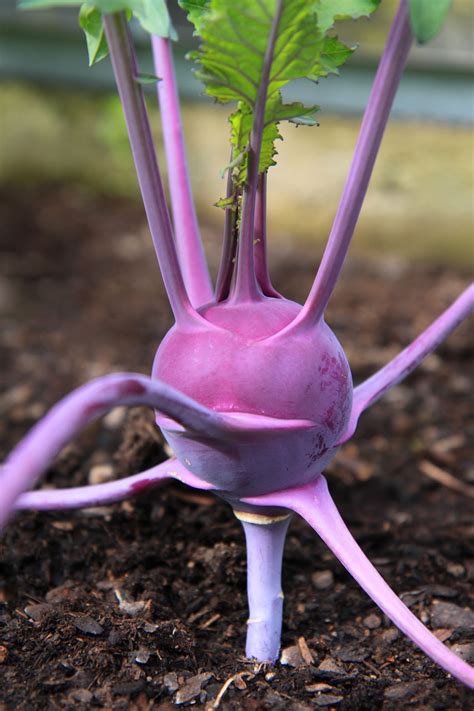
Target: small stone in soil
[(115, 418), (100, 474), (405, 691), (61, 593), (319, 687), (389, 636), (292, 657), (83, 696), (131, 607), (88, 625), (170, 682), (465, 651), (330, 669), (323, 579), (351, 653), (39, 611), (446, 614), (327, 700), (372, 622), (441, 591), (192, 688), (149, 627), (456, 570), (142, 656)]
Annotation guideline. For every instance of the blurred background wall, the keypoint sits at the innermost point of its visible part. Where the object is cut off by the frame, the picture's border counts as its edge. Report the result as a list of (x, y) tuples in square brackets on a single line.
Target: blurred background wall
[(61, 123)]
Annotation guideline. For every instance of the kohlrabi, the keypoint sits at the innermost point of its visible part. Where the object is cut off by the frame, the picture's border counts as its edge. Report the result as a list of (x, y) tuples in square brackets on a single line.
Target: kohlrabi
[(252, 391)]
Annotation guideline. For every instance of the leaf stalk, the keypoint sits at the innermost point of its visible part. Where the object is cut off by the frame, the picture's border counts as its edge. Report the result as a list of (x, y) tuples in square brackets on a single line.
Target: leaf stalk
[(188, 239), (125, 68), (246, 286), (373, 125), (260, 239)]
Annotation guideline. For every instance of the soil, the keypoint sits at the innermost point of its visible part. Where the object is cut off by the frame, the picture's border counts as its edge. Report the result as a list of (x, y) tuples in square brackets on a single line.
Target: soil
[(142, 605)]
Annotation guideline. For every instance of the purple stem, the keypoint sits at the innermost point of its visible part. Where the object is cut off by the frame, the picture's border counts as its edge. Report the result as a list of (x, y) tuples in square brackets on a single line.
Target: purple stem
[(388, 77), (246, 287), (402, 365), (124, 64), (229, 245), (80, 497), (265, 543), (188, 239), (314, 503), (34, 453), (260, 239)]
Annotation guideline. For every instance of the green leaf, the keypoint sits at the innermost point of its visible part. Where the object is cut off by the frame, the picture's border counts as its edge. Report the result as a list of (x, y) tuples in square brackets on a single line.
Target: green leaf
[(146, 78), (39, 4), (234, 40), (90, 20), (333, 55), (154, 17), (304, 120), (235, 37), (241, 125), (226, 203), (278, 111), (195, 9), (427, 17), (231, 57), (152, 14), (329, 11)]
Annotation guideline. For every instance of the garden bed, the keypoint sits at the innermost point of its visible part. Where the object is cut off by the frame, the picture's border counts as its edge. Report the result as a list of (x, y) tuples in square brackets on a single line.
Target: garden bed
[(142, 605)]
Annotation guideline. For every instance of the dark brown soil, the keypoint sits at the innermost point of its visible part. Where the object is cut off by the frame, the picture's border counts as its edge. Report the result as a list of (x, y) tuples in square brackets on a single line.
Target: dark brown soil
[(142, 605)]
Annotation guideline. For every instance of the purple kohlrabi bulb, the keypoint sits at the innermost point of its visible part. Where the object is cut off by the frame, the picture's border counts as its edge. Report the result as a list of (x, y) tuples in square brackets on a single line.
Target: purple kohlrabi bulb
[(291, 395)]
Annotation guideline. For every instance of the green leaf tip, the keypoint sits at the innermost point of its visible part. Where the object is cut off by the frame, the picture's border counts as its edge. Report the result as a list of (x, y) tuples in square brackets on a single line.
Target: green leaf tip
[(331, 11), (227, 203), (427, 18), (195, 9), (90, 20), (146, 78)]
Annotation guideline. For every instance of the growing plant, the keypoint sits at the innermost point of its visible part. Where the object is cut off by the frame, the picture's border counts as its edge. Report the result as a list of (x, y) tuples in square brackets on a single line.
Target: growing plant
[(252, 391)]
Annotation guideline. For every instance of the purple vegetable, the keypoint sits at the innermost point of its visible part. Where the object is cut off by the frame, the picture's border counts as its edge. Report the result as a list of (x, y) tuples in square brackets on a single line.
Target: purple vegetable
[(253, 392)]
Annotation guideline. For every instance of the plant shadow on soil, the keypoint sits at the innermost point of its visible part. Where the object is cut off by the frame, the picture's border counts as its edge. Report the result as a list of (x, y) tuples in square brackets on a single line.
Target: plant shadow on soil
[(142, 605)]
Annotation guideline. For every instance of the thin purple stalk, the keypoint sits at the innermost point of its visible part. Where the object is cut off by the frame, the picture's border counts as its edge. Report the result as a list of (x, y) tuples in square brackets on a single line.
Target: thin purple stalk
[(265, 543), (124, 64), (229, 244), (314, 503), (260, 239), (402, 365), (246, 287), (35, 452), (80, 497), (386, 82), (188, 239)]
